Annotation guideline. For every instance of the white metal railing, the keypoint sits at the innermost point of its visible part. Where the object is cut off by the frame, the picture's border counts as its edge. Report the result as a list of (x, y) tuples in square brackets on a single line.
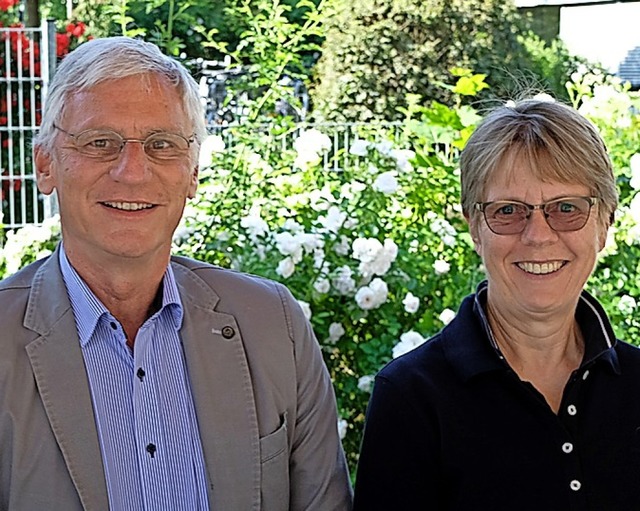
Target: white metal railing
[(27, 60)]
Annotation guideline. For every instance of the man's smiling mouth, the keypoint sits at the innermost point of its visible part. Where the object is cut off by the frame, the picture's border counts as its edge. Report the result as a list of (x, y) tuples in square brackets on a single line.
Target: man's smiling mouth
[(128, 206)]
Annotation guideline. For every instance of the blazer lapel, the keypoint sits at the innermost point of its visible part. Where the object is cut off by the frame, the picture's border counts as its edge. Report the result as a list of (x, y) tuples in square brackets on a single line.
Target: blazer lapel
[(58, 367), (223, 396)]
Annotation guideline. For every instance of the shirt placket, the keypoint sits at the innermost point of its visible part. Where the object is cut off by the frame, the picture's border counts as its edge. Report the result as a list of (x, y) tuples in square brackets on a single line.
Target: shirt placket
[(150, 444), (570, 417)]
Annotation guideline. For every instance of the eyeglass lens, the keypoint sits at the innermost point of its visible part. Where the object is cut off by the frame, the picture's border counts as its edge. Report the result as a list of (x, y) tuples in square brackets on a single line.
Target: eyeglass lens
[(566, 214), (107, 145)]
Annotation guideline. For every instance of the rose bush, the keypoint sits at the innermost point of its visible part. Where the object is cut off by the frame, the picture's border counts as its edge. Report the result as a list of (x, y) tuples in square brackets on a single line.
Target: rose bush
[(367, 230)]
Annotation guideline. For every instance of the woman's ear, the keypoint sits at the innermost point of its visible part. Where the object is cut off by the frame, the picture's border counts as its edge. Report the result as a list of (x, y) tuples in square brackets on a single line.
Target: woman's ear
[(603, 231), (472, 222)]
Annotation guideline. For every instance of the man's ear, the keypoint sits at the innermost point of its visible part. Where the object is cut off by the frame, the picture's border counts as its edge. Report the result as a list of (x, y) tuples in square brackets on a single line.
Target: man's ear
[(193, 185), (44, 176)]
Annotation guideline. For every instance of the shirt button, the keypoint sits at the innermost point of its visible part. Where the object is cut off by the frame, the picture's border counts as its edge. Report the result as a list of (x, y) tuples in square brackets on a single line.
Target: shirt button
[(113, 325), (586, 373), (575, 485), (228, 332), (151, 449), (572, 410), (567, 447)]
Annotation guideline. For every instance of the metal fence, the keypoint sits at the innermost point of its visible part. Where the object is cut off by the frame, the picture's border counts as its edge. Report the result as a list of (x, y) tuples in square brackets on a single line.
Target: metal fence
[(27, 61)]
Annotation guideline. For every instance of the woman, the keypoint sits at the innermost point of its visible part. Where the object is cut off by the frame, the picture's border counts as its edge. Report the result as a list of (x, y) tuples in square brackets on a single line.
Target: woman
[(525, 401)]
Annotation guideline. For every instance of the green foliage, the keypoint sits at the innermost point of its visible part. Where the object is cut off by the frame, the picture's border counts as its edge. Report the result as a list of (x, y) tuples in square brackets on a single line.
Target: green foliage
[(368, 235), (270, 46), (190, 28), (377, 51), (346, 242)]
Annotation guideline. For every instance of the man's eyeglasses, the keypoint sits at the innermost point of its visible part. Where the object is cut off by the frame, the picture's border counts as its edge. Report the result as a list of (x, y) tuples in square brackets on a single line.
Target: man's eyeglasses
[(106, 145), (510, 217)]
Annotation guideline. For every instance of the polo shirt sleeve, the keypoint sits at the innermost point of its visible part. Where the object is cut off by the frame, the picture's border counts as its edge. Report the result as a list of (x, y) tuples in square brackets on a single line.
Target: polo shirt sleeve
[(399, 465)]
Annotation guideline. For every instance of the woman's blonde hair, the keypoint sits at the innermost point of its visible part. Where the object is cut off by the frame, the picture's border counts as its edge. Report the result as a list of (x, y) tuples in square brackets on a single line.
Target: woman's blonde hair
[(553, 140)]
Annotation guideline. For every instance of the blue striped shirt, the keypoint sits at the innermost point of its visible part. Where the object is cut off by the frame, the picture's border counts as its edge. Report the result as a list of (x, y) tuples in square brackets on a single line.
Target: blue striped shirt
[(142, 402)]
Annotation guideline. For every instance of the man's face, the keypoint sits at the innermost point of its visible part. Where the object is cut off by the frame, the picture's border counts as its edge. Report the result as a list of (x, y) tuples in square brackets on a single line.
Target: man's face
[(129, 205)]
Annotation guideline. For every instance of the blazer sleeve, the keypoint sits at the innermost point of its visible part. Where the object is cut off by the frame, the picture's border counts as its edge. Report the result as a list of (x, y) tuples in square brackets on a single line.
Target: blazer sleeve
[(318, 471)]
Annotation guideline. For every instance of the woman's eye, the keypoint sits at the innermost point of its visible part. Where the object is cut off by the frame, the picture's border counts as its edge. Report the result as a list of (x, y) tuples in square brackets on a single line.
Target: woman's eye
[(507, 209), (566, 207)]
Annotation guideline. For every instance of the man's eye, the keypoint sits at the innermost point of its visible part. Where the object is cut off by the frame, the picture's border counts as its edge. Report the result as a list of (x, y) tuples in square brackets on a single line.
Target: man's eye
[(161, 144), (102, 143)]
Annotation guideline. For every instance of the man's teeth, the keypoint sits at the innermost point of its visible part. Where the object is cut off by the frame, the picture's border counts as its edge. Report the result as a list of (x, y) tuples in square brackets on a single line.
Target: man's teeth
[(540, 268), (129, 206)]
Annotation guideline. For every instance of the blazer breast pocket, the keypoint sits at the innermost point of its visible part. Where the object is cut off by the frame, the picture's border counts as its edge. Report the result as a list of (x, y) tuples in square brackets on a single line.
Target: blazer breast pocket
[(274, 461)]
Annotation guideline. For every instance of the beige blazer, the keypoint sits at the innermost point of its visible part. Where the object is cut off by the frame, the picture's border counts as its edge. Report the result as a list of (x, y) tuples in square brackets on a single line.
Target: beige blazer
[(264, 401)]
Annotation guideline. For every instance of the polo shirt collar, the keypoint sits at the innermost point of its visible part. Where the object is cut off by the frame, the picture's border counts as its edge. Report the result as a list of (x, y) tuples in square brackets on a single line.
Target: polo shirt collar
[(471, 348)]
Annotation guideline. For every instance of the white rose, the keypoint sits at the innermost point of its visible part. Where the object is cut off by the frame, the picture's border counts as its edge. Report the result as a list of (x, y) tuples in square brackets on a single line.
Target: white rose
[(408, 341), (336, 331), (343, 281), (366, 298), (446, 316), (322, 286), (634, 163), (365, 383), (342, 428), (359, 148), (411, 303), (306, 309), (384, 147), (333, 220), (286, 267), (254, 224), (289, 245), (386, 183), (441, 267), (627, 304), (211, 144), (372, 296)]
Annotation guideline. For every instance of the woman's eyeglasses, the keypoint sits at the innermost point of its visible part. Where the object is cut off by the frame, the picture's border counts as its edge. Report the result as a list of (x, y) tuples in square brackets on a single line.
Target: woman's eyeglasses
[(511, 217)]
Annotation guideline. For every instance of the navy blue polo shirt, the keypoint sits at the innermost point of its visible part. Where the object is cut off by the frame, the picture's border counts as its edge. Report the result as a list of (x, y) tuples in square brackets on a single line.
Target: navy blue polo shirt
[(450, 426)]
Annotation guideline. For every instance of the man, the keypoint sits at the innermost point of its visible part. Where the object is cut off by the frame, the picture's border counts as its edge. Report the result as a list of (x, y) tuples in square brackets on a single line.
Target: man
[(133, 380)]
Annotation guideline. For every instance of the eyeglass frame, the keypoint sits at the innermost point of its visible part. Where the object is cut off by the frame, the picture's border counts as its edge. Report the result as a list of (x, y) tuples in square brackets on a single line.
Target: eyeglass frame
[(124, 140), (481, 206)]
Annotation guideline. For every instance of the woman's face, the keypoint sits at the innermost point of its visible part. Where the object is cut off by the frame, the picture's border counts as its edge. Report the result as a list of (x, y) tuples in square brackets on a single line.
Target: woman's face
[(538, 271)]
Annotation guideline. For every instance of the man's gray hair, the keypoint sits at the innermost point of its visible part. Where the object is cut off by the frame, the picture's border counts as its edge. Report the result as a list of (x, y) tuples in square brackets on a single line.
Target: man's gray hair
[(111, 58)]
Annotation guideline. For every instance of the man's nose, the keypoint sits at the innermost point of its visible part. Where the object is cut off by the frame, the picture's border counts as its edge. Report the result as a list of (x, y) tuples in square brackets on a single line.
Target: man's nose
[(132, 164)]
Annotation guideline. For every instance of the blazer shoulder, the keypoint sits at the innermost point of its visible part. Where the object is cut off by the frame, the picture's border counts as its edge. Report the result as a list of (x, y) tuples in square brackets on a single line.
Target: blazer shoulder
[(22, 279), (224, 280)]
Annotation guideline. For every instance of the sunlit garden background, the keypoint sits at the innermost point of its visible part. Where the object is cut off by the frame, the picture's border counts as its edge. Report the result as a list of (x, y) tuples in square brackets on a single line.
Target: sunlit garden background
[(349, 193)]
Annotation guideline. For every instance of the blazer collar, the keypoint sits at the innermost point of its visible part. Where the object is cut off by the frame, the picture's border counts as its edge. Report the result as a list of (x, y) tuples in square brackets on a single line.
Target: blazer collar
[(58, 368), (222, 390)]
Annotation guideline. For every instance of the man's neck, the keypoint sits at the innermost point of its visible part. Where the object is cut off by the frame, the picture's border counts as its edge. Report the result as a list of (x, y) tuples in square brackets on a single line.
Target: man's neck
[(130, 289)]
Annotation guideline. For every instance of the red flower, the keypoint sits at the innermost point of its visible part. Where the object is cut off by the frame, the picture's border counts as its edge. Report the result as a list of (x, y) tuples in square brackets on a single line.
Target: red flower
[(62, 44), (77, 29), (5, 5)]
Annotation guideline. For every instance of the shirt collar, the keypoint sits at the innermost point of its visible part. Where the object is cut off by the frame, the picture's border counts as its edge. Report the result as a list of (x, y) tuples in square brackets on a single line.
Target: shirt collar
[(88, 309), (472, 349)]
